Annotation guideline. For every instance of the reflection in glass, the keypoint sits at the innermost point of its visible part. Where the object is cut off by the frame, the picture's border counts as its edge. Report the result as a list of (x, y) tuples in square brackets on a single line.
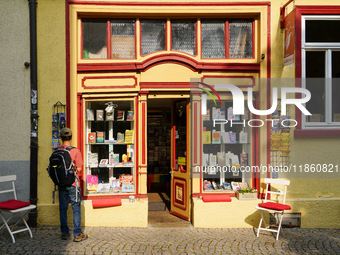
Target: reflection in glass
[(183, 36), (153, 36), (315, 83), (240, 39), (94, 39), (213, 42), (336, 86), (123, 39)]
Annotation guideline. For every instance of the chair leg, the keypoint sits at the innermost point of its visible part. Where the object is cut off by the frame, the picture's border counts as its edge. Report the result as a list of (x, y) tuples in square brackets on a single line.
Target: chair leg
[(28, 228), (264, 222), (8, 228), (280, 217)]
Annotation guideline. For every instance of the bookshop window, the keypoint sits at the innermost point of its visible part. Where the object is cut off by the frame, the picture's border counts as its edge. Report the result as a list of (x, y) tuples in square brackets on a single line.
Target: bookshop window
[(109, 143), (153, 36), (183, 36), (226, 149), (94, 39), (321, 71), (123, 39)]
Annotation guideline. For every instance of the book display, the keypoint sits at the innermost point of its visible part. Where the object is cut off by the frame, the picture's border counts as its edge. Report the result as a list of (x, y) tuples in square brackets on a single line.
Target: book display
[(226, 148), (109, 144)]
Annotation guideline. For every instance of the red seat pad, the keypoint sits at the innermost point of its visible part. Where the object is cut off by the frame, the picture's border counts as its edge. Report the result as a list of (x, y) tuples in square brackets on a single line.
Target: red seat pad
[(216, 198), (106, 202), (13, 204), (275, 206)]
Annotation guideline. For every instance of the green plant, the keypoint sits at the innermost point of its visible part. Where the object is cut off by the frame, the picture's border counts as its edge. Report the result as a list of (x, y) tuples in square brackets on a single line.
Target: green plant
[(247, 190)]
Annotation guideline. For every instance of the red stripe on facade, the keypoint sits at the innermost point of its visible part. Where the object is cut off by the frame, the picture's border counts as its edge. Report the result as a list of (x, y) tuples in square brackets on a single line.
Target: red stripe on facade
[(108, 77)]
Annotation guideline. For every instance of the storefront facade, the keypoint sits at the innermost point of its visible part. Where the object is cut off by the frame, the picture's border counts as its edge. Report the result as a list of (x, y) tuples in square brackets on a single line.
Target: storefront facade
[(127, 77)]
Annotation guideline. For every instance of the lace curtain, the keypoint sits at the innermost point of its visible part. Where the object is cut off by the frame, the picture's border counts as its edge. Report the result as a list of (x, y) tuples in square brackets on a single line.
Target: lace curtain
[(183, 36), (153, 36), (240, 39), (213, 42), (123, 39)]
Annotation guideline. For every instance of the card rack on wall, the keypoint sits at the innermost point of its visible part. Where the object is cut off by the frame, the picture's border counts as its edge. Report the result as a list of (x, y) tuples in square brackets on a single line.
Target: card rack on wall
[(58, 122)]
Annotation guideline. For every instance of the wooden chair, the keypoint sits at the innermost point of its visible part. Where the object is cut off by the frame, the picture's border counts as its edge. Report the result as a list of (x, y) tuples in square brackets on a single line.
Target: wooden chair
[(14, 206), (274, 207)]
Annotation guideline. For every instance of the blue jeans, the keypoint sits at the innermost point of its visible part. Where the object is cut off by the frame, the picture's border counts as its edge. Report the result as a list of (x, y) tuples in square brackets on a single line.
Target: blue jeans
[(66, 194)]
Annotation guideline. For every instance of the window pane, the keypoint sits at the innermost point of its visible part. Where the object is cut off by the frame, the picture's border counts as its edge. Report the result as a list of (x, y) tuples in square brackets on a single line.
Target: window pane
[(240, 39), (183, 36), (336, 86), (153, 36), (315, 83), (123, 39), (94, 39), (322, 31), (213, 42)]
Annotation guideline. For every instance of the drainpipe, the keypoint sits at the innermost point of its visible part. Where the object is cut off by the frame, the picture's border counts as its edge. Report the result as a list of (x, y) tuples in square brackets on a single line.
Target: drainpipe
[(32, 216)]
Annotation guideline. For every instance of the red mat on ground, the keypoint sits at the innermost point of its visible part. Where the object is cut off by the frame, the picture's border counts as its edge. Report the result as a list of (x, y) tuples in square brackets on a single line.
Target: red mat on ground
[(106, 202), (216, 198)]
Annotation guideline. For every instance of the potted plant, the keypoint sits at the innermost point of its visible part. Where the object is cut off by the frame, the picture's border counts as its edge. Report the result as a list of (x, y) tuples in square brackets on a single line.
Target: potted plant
[(246, 193)]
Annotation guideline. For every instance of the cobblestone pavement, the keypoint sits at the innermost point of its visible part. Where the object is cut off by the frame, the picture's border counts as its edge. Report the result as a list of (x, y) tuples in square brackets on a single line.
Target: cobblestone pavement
[(172, 240)]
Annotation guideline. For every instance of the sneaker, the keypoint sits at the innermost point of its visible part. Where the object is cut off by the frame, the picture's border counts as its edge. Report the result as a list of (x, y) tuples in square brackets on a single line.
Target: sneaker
[(80, 237), (65, 236)]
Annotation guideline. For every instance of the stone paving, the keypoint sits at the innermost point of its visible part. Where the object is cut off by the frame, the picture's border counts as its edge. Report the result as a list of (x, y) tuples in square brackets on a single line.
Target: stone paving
[(174, 240)]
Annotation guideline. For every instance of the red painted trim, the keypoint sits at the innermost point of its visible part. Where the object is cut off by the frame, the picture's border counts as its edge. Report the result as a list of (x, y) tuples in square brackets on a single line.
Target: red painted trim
[(167, 85), (136, 143), (195, 134), (184, 186), (143, 133), (108, 77), (316, 132), (80, 144), (163, 58), (179, 215), (257, 3), (174, 147), (226, 38), (231, 76), (68, 75), (269, 62), (108, 39)]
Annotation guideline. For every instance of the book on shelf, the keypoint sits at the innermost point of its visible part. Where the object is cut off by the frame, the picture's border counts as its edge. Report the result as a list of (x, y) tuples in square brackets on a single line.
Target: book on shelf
[(235, 161), (244, 159), (221, 158), (126, 178), (100, 115), (92, 159), (215, 113), (235, 186), (103, 187), (124, 158), (130, 115), (115, 185), (128, 136), (205, 159), (232, 137), (222, 114), (92, 183), (91, 137), (120, 115), (120, 137), (207, 185), (226, 186), (89, 114), (206, 137), (243, 185), (100, 135), (243, 137), (129, 152), (206, 116), (103, 162), (216, 137), (128, 188)]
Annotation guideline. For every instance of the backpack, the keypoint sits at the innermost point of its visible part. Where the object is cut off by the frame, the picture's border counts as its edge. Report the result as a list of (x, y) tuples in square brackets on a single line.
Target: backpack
[(61, 168)]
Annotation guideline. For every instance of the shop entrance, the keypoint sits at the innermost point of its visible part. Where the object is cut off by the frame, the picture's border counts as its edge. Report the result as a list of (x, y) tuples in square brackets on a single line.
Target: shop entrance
[(161, 133)]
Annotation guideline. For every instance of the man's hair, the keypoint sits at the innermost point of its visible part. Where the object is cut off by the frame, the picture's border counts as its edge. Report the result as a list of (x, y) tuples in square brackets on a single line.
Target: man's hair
[(66, 138)]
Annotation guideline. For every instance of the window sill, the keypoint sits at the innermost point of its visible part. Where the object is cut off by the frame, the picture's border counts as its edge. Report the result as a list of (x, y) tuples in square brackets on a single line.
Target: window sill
[(316, 132)]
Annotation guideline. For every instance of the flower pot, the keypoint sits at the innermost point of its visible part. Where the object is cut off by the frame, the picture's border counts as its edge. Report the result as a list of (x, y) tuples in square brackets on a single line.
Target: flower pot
[(246, 196)]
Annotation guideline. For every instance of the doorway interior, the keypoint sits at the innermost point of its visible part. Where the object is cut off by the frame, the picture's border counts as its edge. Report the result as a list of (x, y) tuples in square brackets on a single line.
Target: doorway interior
[(159, 126)]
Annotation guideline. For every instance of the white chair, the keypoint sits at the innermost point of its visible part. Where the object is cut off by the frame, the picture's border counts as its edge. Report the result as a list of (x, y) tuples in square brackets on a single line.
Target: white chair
[(14, 207), (274, 207)]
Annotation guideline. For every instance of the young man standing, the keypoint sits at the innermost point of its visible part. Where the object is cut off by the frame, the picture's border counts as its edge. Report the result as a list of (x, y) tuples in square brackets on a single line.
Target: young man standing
[(71, 193)]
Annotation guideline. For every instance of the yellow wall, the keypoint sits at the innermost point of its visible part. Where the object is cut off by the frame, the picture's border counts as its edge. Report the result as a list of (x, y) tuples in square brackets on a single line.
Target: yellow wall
[(307, 196)]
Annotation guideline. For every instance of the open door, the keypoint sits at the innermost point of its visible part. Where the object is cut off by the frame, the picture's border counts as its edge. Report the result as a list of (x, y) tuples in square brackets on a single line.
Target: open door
[(180, 172)]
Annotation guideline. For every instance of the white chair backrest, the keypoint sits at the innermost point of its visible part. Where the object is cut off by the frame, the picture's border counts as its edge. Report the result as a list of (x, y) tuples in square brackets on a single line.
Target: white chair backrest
[(9, 178), (269, 181)]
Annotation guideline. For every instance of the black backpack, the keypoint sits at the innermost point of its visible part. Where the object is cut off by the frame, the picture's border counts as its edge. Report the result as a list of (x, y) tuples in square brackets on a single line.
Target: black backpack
[(61, 168)]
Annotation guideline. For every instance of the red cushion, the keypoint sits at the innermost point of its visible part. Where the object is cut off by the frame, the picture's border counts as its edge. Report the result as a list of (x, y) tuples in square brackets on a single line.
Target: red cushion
[(215, 198), (275, 206), (13, 204), (106, 202)]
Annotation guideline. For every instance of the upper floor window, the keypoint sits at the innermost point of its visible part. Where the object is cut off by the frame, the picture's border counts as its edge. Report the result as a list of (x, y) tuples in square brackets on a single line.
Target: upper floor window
[(116, 38), (321, 70), (153, 36)]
